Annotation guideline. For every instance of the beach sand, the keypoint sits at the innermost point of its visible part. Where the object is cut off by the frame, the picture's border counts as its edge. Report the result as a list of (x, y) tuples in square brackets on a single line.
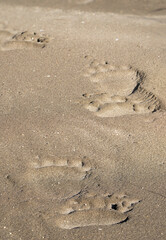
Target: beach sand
[(82, 111)]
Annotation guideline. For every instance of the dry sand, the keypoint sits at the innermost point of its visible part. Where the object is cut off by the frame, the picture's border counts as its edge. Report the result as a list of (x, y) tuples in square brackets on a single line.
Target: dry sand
[(82, 110)]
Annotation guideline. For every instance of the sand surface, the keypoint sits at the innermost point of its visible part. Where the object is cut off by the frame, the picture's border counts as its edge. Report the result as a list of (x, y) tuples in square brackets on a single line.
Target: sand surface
[(82, 111), (148, 7)]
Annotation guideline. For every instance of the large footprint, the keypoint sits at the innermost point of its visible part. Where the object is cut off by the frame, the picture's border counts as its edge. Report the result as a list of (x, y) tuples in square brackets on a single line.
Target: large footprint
[(22, 40), (140, 102), (60, 169), (93, 209), (121, 92), (113, 80), (57, 178)]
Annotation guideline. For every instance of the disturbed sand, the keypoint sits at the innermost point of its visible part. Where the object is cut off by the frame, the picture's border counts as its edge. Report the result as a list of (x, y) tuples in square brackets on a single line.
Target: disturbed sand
[(82, 110)]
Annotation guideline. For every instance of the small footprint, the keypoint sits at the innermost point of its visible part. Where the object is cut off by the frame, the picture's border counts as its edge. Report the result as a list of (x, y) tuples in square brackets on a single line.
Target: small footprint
[(92, 209), (121, 93), (59, 169), (22, 40)]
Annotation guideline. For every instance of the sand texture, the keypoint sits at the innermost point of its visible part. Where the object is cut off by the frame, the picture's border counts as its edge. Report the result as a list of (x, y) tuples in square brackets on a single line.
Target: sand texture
[(82, 112)]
